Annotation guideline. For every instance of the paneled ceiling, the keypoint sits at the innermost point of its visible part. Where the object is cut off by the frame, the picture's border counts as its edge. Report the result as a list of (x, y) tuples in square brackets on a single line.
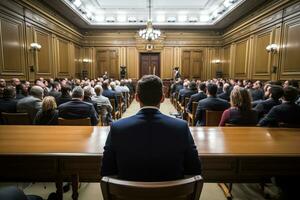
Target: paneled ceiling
[(165, 13)]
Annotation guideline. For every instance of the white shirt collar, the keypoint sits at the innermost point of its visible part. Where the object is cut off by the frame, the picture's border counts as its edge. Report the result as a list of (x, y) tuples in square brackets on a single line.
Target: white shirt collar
[(149, 107)]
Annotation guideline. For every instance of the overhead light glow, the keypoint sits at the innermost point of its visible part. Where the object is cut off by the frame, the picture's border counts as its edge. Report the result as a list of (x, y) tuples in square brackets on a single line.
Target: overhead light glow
[(182, 18), (204, 18), (110, 19), (193, 19), (121, 18), (160, 18), (99, 18), (131, 19), (77, 3), (171, 19)]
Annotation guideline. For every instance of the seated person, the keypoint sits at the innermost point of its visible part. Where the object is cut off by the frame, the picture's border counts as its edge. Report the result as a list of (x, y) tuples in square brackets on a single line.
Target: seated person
[(65, 95), (77, 108), (192, 89), (13, 193), (197, 97), (2, 86), (288, 112), (240, 112), (256, 91), (8, 103), (32, 103), (103, 104), (55, 92), (275, 93), (150, 146), (48, 115), (184, 90), (109, 94), (210, 103), (226, 92), (88, 97)]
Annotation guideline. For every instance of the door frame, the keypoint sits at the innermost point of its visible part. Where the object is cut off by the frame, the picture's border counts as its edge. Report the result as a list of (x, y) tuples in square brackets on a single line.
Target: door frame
[(140, 62)]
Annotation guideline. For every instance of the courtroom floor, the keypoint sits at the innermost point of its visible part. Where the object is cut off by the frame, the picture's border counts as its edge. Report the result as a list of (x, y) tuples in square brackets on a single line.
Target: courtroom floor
[(92, 191)]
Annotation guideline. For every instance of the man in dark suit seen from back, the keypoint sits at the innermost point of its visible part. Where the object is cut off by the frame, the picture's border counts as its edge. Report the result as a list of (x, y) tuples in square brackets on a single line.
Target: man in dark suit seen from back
[(8, 103), (150, 146), (287, 113), (210, 103), (197, 97), (55, 92), (226, 92), (275, 92), (109, 93), (77, 108)]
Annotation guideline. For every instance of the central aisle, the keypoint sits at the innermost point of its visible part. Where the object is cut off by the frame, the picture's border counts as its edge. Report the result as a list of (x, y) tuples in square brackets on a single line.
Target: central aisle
[(166, 108)]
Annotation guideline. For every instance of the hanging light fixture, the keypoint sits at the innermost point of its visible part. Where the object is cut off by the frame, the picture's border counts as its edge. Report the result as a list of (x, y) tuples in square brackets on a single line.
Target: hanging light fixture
[(149, 33)]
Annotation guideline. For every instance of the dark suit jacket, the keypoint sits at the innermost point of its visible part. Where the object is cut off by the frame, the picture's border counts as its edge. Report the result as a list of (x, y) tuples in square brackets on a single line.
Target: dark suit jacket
[(150, 146), (63, 99), (264, 106), (89, 100), (8, 106), (210, 103), (77, 109), (195, 98), (111, 95), (288, 113), (256, 94), (225, 96)]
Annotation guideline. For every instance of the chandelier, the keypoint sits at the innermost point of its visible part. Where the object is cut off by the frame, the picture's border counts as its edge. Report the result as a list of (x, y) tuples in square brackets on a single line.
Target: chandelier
[(149, 33)]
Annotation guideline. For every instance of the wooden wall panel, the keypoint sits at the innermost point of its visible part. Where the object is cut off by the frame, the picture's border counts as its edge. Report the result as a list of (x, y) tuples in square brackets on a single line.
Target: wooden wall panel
[(12, 51), (168, 63), (44, 57), (107, 61), (63, 55), (186, 63), (197, 64), (261, 59), (290, 65), (132, 62), (77, 61), (226, 64), (240, 60)]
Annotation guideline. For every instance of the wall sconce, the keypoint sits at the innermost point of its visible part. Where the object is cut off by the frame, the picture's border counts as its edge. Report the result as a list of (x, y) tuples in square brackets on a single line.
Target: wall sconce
[(86, 60), (217, 61), (272, 48), (35, 46)]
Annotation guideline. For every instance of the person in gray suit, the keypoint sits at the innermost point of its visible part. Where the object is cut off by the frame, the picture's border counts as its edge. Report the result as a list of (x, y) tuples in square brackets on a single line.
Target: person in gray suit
[(33, 103)]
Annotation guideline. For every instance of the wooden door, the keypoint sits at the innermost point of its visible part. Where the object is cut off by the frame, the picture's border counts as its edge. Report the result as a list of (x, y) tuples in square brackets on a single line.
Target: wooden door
[(149, 64)]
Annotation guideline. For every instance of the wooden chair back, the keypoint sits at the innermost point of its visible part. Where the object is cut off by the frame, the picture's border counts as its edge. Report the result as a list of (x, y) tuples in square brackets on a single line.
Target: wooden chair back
[(16, 118), (184, 189), (74, 122), (115, 113), (213, 118)]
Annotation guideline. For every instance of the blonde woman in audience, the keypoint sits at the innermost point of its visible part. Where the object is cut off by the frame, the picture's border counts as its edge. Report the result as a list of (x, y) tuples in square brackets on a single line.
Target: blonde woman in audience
[(48, 115), (240, 112)]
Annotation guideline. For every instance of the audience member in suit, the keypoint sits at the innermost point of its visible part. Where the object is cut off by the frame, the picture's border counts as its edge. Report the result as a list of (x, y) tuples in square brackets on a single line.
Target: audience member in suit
[(240, 112), (220, 87), (65, 95), (2, 86), (256, 91), (184, 90), (103, 104), (8, 103), (48, 115), (192, 89), (13, 193), (32, 103), (55, 91), (109, 93), (226, 92), (197, 97), (88, 97), (14, 82), (150, 146), (21, 91), (77, 108), (210, 103), (275, 92), (288, 112)]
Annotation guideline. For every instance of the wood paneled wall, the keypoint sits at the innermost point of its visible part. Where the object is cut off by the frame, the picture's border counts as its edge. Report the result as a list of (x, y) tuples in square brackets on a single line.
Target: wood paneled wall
[(240, 48)]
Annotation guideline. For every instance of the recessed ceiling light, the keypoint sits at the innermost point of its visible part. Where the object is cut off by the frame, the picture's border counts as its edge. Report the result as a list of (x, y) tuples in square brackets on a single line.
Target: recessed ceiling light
[(99, 18), (121, 18), (193, 19), (110, 19), (131, 19), (171, 19), (77, 3), (160, 18), (182, 18), (204, 18)]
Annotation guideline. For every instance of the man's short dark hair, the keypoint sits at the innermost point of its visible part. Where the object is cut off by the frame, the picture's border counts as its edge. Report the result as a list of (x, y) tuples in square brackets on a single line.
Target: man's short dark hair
[(276, 91), (9, 92), (149, 90), (55, 84), (212, 89), (202, 86), (290, 94)]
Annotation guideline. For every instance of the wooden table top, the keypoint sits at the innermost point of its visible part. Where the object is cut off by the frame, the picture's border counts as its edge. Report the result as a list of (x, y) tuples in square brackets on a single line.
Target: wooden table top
[(85, 140)]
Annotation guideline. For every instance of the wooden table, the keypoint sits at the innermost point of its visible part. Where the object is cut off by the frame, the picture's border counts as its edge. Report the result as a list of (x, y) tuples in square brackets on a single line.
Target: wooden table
[(73, 153)]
